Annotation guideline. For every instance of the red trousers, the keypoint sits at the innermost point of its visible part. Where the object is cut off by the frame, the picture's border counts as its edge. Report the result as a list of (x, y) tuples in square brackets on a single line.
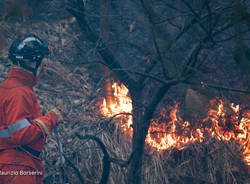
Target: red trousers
[(18, 174)]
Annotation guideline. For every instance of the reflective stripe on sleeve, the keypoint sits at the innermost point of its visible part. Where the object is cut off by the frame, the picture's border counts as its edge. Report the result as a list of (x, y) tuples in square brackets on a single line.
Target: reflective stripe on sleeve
[(4, 134), (14, 127), (43, 125), (18, 125)]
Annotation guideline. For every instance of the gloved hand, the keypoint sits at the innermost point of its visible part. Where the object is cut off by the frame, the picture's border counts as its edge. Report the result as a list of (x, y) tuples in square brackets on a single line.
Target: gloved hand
[(60, 114), (50, 120)]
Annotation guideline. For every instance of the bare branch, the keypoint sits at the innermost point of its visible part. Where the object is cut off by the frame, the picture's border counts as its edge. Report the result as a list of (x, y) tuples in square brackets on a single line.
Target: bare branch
[(218, 87), (102, 49), (232, 36), (190, 59), (106, 158), (148, 70), (148, 10), (198, 18), (78, 173), (166, 82)]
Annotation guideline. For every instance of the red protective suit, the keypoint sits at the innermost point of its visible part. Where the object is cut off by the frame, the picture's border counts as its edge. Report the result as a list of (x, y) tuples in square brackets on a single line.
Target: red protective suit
[(21, 123)]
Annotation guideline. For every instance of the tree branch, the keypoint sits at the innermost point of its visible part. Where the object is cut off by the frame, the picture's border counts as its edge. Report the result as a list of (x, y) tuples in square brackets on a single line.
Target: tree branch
[(78, 173), (166, 82), (148, 10), (106, 158), (148, 70), (198, 18), (190, 60), (217, 87), (102, 49)]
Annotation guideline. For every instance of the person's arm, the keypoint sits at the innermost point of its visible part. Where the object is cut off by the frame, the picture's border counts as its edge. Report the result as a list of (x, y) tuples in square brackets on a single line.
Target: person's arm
[(21, 127)]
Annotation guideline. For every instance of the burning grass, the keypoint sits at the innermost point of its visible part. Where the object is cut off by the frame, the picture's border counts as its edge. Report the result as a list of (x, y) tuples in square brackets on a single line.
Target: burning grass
[(224, 122), (207, 160), (204, 160)]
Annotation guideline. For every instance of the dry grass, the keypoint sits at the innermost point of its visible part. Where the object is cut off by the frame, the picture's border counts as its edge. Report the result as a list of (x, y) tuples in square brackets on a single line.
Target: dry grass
[(207, 162), (71, 86)]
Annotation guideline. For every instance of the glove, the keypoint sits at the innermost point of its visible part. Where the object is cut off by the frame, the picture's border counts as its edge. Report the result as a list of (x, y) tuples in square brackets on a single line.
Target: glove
[(49, 121), (61, 111), (60, 114)]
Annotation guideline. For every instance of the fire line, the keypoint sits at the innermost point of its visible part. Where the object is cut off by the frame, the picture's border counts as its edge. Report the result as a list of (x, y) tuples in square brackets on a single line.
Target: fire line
[(167, 131)]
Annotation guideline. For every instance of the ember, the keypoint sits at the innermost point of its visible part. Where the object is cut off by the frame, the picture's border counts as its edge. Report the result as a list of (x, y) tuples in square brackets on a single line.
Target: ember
[(224, 122)]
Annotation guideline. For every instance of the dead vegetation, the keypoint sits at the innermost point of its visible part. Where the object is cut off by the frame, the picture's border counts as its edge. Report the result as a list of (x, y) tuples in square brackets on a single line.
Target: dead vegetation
[(69, 81)]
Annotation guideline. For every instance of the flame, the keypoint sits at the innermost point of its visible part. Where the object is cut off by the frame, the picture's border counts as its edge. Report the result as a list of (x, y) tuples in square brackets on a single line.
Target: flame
[(224, 122), (121, 106)]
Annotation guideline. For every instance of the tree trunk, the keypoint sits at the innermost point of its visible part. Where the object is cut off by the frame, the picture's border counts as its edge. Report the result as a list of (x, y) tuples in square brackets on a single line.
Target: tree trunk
[(141, 123), (105, 35), (139, 135)]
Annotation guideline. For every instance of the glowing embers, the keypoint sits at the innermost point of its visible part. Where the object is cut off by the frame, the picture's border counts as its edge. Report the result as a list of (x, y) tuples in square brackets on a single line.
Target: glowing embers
[(224, 121)]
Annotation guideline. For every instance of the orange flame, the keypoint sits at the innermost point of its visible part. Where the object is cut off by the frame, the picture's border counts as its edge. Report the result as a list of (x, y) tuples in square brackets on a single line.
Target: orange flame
[(120, 106), (223, 123)]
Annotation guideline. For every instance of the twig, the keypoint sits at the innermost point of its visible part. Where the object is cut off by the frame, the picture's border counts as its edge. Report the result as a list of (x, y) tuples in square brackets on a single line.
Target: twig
[(218, 87), (232, 36), (190, 60), (159, 55), (122, 163), (148, 70), (123, 113), (75, 169), (152, 76), (106, 158), (102, 48), (197, 16)]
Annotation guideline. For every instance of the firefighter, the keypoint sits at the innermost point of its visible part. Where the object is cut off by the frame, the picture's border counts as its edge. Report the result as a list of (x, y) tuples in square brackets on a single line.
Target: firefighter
[(23, 129)]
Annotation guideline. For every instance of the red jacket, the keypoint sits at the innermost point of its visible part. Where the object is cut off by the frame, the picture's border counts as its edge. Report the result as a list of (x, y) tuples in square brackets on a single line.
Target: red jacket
[(21, 121)]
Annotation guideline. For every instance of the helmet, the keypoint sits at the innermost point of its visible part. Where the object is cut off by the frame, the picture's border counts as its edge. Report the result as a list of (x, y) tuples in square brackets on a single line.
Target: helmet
[(30, 48)]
